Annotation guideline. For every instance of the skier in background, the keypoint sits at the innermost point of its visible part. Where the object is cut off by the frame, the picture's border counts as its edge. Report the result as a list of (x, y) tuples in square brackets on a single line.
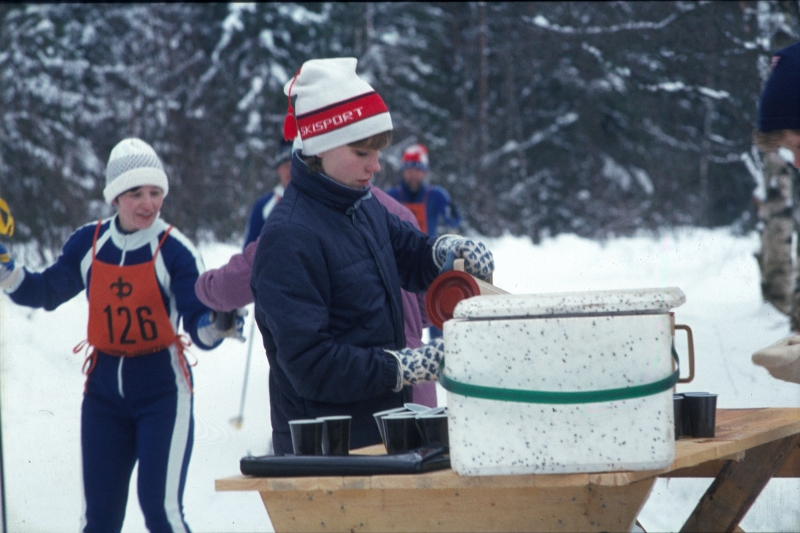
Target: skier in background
[(138, 273), (266, 203), (431, 204), (779, 127)]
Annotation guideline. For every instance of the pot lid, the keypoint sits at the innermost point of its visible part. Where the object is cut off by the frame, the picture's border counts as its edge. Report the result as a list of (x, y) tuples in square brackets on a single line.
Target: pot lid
[(614, 302)]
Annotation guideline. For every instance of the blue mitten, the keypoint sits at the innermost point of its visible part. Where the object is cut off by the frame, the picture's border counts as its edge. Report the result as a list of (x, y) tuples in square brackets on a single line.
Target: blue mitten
[(214, 326), (6, 269), (6, 263), (416, 365), (478, 260)]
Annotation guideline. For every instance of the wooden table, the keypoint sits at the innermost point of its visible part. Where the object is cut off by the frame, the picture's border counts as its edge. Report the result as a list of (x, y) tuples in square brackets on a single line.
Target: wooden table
[(751, 446)]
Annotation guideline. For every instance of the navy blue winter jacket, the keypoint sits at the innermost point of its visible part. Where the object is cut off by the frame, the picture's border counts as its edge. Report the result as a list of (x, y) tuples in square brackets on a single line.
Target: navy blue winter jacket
[(326, 280)]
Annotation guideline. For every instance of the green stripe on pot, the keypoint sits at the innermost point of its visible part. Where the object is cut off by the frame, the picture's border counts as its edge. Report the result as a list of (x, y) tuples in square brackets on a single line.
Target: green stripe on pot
[(551, 397)]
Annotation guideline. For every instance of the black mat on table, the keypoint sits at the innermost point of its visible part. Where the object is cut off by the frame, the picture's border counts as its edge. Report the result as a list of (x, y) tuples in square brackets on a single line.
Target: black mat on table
[(412, 462)]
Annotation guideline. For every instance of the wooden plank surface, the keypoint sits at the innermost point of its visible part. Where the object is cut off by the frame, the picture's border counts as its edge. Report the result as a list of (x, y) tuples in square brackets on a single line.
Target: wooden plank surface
[(466, 509), (737, 430), (789, 468)]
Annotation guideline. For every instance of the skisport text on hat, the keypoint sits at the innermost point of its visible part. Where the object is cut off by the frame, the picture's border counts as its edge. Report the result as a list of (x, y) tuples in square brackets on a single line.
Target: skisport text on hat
[(333, 106)]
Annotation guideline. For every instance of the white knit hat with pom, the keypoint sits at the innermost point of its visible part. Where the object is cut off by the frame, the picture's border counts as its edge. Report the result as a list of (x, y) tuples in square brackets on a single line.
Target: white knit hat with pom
[(133, 163), (334, 107)]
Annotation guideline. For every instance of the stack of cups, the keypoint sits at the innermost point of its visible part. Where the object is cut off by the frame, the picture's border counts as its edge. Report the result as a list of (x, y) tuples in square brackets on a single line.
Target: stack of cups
[(326, 435), (413, 426), (695, 414)]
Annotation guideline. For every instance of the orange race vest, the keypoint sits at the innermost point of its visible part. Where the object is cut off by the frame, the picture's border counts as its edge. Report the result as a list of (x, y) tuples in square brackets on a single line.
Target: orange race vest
[(420, 213), (126, 312)]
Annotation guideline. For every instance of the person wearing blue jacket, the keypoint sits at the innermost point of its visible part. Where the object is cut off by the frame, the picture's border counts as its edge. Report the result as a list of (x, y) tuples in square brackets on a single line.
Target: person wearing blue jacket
[(139, 274), (331, 261), (264, 205), (431, 204)]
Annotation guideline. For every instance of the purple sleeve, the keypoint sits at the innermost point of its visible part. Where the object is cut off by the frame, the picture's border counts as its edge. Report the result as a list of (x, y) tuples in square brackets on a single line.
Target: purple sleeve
[(394, 207), (228, 287), (412, 319)]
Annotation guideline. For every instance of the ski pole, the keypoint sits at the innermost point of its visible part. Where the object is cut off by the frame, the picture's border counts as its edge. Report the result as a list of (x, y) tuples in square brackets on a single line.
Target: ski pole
[(237, 420), (6, 228)]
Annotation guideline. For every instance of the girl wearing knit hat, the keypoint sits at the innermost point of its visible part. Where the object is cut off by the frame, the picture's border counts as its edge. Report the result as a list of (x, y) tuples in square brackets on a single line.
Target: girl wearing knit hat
[(331, 261), (138, 273)]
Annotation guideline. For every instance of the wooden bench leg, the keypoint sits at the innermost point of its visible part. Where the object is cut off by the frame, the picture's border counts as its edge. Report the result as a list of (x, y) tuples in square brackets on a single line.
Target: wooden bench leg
[(737, 486)]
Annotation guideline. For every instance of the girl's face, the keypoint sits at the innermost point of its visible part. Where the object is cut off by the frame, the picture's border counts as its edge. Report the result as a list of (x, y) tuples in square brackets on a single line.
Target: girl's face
[(138, 208), (350, 166)]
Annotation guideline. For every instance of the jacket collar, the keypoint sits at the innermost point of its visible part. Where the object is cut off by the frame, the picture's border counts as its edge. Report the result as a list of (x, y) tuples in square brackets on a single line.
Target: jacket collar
[(323, 189), (137, 239)]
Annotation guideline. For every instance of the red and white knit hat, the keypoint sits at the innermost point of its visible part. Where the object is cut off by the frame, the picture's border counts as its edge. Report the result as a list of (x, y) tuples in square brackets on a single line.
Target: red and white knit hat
[(415, 156), (334, 107)]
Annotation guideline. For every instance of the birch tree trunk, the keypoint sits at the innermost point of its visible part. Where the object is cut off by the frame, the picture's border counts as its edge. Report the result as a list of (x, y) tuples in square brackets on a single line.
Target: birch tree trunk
[(775, 256)]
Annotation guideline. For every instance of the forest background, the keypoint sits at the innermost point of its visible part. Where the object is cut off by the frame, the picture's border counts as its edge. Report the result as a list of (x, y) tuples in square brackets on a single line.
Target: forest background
[(592, 118)]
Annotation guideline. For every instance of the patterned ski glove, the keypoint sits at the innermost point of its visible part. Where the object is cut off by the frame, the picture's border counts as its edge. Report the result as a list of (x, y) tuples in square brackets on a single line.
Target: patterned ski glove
[(781, 359), (416, 365), (214, 326), (478, 260), (8, 275)]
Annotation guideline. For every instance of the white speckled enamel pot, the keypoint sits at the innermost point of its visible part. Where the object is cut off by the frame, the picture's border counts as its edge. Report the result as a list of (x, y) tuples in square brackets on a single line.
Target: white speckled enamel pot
[(585, 344)]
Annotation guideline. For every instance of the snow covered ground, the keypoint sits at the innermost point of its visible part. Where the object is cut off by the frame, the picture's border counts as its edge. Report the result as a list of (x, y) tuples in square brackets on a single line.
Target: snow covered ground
[(41, 381)]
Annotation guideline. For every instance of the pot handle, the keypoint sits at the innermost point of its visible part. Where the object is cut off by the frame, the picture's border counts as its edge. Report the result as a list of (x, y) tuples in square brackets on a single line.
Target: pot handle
[(690, 343)]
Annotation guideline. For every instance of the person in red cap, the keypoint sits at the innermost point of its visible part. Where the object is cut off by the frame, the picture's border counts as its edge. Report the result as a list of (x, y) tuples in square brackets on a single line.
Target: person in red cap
[(331, 261), (431, 204)]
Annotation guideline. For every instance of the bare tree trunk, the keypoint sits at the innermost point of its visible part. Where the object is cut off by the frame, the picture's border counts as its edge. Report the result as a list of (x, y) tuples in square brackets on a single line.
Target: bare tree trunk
[(483, 74), (775, 256), (512, 101)]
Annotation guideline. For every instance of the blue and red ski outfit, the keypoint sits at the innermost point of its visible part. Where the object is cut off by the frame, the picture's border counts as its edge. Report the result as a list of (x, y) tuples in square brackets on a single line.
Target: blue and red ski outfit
[(138, 403), (430, 204)]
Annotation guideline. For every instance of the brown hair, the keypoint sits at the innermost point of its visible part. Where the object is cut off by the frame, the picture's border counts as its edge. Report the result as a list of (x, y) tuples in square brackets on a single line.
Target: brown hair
[(769, 141), (379, 141)]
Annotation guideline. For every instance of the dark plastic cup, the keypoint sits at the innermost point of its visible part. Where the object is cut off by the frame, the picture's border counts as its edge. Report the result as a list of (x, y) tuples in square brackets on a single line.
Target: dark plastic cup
[(379, 419), (433, 429), (677, 406), (401, 433), (702, 409), (336, 435), (306, 436)]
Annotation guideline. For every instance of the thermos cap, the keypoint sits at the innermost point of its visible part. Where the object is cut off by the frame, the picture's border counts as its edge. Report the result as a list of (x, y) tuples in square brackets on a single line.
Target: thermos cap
[(445, 292)]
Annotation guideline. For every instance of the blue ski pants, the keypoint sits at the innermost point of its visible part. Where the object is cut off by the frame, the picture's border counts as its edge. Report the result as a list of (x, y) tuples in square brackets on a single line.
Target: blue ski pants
[(136, 409)]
